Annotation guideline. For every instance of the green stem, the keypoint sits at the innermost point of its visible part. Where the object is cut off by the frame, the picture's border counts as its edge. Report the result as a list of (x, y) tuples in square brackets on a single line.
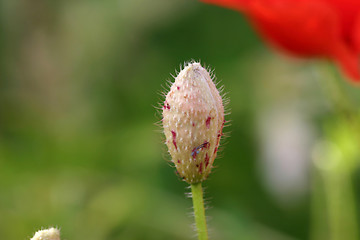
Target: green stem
[(199, 211), (341, 206), (338, 215)]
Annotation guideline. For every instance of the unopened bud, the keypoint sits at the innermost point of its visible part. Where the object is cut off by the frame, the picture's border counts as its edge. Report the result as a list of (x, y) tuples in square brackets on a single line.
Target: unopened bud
[(193, 119), (47, 234)]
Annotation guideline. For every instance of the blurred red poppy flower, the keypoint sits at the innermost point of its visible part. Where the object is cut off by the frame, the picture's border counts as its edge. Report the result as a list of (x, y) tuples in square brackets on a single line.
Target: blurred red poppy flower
[(308, 28)]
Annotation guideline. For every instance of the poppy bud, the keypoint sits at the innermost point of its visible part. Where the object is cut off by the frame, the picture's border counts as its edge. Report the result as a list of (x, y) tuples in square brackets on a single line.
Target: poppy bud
[(193, 119), (47, 234)]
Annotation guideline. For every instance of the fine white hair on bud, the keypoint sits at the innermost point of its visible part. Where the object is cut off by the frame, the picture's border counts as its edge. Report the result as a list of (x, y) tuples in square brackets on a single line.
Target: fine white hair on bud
[(47, 234), (193, 120)]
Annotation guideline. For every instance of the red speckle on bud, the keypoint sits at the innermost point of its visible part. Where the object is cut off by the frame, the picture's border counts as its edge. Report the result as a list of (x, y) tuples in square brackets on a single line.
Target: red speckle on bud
[(174, 138), (208, 122), (215, 150), (206, 160), (194, 152), (193, 125), (166, 106), (200, 168)]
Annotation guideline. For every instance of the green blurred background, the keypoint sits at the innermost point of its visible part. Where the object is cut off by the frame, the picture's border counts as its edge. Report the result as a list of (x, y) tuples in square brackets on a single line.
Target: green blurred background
[(79, 148)]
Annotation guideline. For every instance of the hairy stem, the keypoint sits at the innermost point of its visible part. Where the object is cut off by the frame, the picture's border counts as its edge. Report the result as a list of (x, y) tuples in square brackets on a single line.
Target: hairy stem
[(199, 211)]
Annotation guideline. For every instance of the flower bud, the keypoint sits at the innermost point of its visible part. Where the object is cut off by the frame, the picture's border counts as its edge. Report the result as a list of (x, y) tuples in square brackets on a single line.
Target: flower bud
[(47, 234), (193, 119)]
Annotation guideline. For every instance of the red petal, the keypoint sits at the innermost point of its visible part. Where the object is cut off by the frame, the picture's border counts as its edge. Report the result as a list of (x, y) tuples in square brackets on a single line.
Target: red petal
[(355, 35), (349, 62), (301, 27), (310, 28), (347, 11)]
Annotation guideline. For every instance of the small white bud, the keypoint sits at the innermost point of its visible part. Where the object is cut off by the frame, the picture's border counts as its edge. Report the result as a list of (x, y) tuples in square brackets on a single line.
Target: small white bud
[(47, 234)]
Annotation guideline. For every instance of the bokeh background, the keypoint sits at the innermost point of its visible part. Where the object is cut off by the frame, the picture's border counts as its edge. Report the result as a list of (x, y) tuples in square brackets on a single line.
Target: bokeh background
[(79, 148)]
